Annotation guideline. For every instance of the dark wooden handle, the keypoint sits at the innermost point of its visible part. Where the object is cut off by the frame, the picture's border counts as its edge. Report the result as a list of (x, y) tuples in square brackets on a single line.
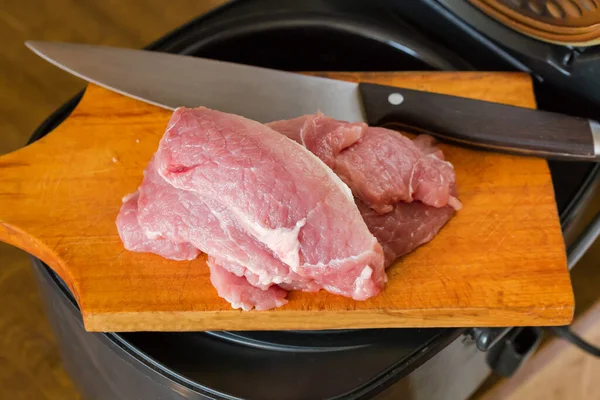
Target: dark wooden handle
[(480, 123)]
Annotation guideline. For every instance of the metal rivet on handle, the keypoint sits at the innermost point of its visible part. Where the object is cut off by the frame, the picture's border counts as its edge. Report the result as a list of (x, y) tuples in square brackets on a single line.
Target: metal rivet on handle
[(395, 99)]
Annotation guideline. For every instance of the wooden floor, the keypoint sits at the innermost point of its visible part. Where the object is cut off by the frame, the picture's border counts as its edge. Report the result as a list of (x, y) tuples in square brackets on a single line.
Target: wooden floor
[(30, 89), (558, 370)]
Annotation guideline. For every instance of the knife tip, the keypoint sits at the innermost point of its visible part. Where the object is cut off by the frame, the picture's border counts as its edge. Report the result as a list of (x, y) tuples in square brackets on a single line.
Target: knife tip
[(35, 45), (38, 45), (48, 50)]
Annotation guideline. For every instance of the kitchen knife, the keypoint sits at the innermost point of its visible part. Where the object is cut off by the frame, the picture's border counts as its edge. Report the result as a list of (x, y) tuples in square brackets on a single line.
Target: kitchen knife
[(170, 81)]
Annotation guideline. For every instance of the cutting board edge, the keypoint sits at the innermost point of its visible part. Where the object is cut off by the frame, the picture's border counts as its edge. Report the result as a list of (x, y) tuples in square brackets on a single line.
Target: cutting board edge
[(236, 320), (37, 248)]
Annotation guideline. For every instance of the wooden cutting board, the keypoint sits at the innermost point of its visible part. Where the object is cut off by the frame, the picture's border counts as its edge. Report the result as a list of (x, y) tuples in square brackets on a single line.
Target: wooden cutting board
[(499, 262)]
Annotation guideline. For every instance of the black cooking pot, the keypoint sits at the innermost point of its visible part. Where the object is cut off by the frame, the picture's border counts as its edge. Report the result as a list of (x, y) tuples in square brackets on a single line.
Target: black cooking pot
[(293, 35)]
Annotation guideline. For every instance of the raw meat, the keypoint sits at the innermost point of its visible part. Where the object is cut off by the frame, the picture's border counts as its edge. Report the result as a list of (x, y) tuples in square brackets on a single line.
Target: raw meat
[(242, 294), (278, 193), (270, 211), (185, 216), (134, 238), (381, 166), (406, 227), (377, 163), (274, 216), (325, 137), (170, 215)]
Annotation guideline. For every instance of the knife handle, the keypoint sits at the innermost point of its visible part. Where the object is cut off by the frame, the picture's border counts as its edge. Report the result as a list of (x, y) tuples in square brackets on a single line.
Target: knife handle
[(484, 124)]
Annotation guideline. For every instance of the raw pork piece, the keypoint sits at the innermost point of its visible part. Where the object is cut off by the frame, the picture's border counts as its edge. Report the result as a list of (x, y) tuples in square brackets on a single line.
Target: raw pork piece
[(381, 166), (275, 192), (232, 286), (406, 227), (134, 238), (399, 226), (184, 216), (241, 294), (229, 187), (169, 218), (325, 137)]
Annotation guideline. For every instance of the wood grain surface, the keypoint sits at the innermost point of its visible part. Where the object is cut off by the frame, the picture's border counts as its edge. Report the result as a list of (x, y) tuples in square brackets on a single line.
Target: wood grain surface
[(545, 376), (500, 261)]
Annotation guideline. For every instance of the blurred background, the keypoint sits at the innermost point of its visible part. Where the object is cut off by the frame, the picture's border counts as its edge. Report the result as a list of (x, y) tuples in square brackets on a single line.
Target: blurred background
[(459, 34)]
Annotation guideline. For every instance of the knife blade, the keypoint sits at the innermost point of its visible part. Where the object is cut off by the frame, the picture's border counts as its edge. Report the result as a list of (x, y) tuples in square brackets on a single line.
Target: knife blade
[(262, 94)]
